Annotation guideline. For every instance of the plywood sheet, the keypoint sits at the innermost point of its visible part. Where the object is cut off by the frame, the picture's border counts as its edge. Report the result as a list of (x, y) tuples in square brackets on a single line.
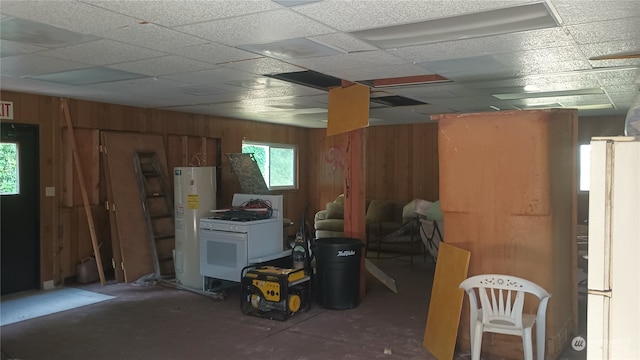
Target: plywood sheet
[(133, 236), (446, 301), (508, 195), (348, 109)]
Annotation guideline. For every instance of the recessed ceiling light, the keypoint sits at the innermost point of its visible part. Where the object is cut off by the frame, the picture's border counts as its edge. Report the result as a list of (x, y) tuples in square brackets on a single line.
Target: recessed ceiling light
[(531, 88), (493, 22)]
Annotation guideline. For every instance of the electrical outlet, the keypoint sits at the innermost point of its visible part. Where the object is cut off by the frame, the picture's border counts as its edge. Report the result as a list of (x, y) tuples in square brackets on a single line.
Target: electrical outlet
[(49, 191)]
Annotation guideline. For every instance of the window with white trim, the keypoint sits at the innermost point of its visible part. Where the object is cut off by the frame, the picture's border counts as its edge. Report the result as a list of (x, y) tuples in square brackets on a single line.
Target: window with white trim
[(9, 171), (277, 162)]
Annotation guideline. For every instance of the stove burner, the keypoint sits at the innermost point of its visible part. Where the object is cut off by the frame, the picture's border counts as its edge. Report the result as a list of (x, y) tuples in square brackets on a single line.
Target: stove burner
[(239, 215)]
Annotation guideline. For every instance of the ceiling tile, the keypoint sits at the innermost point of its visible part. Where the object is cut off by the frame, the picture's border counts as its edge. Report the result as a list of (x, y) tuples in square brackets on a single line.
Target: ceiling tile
[(214, 53), (589, 11), (378, 72), (545, 58), (154, 37), (619, 76), (139, 85), (296, 48), (282, 24), (477, 63), (33, 64), (102, 52), (349, 61), (163, 65), (345, 42), (263, 66), (217, 75), (10, 48), (365, 14), (71, 15), (180, 12), (258, 83), (606, 31)]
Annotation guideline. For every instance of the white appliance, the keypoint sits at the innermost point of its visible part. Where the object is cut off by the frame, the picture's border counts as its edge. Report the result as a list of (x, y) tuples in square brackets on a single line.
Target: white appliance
[(613, 310), (226, 246), (194, 198)]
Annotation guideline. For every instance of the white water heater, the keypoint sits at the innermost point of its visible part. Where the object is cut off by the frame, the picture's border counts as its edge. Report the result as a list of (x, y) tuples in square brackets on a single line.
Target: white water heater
[(194, 198)]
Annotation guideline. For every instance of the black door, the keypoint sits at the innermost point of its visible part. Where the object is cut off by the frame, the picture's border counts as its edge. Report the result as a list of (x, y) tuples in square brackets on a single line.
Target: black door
[(20, 226)]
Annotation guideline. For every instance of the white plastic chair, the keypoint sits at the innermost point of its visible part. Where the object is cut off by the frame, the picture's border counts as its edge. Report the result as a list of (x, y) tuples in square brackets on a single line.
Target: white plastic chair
[(502, 300)]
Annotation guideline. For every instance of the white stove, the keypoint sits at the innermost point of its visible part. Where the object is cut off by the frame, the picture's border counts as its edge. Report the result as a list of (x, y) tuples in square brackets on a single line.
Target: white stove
[(233, 225), (227, 246)]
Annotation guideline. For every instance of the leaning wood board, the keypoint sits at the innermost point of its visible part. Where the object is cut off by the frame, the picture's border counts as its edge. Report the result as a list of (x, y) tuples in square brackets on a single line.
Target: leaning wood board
[(116, 251), (131, 221), (446, 301)]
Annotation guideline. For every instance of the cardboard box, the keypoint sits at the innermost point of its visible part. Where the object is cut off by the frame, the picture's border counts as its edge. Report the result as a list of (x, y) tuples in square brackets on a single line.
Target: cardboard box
[(87, 271)]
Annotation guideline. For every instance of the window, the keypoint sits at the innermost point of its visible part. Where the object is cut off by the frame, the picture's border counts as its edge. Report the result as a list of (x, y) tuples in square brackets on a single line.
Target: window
[(9, 184), (277, 162), (585, 167)]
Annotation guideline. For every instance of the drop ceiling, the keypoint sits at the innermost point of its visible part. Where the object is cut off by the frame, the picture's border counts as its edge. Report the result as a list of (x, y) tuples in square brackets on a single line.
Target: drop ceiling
[(232, 58)]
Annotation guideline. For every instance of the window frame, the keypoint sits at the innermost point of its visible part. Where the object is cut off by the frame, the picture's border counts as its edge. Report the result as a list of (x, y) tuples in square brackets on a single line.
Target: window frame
[(17, 168), (296, 162)]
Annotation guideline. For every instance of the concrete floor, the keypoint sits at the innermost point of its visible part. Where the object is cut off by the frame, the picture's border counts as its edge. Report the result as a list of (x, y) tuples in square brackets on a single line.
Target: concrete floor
[(156, 322)]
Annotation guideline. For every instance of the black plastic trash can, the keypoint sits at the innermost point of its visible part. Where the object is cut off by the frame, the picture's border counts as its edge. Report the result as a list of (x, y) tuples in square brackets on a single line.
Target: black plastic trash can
[(338, 272)]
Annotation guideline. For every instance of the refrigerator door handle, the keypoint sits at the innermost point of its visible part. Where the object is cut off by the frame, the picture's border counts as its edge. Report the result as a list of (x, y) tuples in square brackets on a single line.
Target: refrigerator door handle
[(606, 293)]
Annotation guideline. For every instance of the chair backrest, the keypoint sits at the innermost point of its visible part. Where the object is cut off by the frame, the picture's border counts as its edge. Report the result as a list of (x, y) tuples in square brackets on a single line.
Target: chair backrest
[(501, 298)]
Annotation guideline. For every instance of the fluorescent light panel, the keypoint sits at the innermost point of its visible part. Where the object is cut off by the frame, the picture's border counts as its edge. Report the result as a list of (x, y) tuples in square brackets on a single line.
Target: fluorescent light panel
[(592, 106), (405, 80), (88, 76), (486, 23), (577, 107), (535, 95)]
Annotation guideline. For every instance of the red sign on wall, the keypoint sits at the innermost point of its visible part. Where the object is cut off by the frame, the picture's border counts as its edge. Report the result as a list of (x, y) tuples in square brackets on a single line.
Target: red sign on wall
[(6, 110)]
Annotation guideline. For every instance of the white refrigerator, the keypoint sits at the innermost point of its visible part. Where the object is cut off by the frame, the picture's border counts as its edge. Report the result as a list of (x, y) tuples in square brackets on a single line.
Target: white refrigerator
[(613, 302), (194, 198)]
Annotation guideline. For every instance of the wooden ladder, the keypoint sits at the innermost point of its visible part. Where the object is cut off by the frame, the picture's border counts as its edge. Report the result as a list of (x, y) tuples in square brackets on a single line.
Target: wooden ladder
[(157, 206)]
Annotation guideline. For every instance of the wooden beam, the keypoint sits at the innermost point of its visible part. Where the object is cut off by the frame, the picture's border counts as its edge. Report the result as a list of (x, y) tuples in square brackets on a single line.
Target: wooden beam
[(83, 190), (355, 196)]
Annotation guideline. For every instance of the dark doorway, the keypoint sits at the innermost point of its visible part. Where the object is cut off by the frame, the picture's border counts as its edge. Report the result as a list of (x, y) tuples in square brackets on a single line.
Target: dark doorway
[(20, 223)]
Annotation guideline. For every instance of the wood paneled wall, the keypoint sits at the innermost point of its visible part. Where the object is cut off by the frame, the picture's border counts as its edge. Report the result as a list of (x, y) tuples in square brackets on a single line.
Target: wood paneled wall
[(64, 233), (402, 164)]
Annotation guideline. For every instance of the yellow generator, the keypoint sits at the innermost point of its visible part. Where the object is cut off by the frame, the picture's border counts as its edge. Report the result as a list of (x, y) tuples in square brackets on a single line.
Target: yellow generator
[(275, 293)]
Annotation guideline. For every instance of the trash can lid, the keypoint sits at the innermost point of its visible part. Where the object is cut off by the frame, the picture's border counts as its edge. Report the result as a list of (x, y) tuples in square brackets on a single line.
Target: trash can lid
[(338, 241)]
